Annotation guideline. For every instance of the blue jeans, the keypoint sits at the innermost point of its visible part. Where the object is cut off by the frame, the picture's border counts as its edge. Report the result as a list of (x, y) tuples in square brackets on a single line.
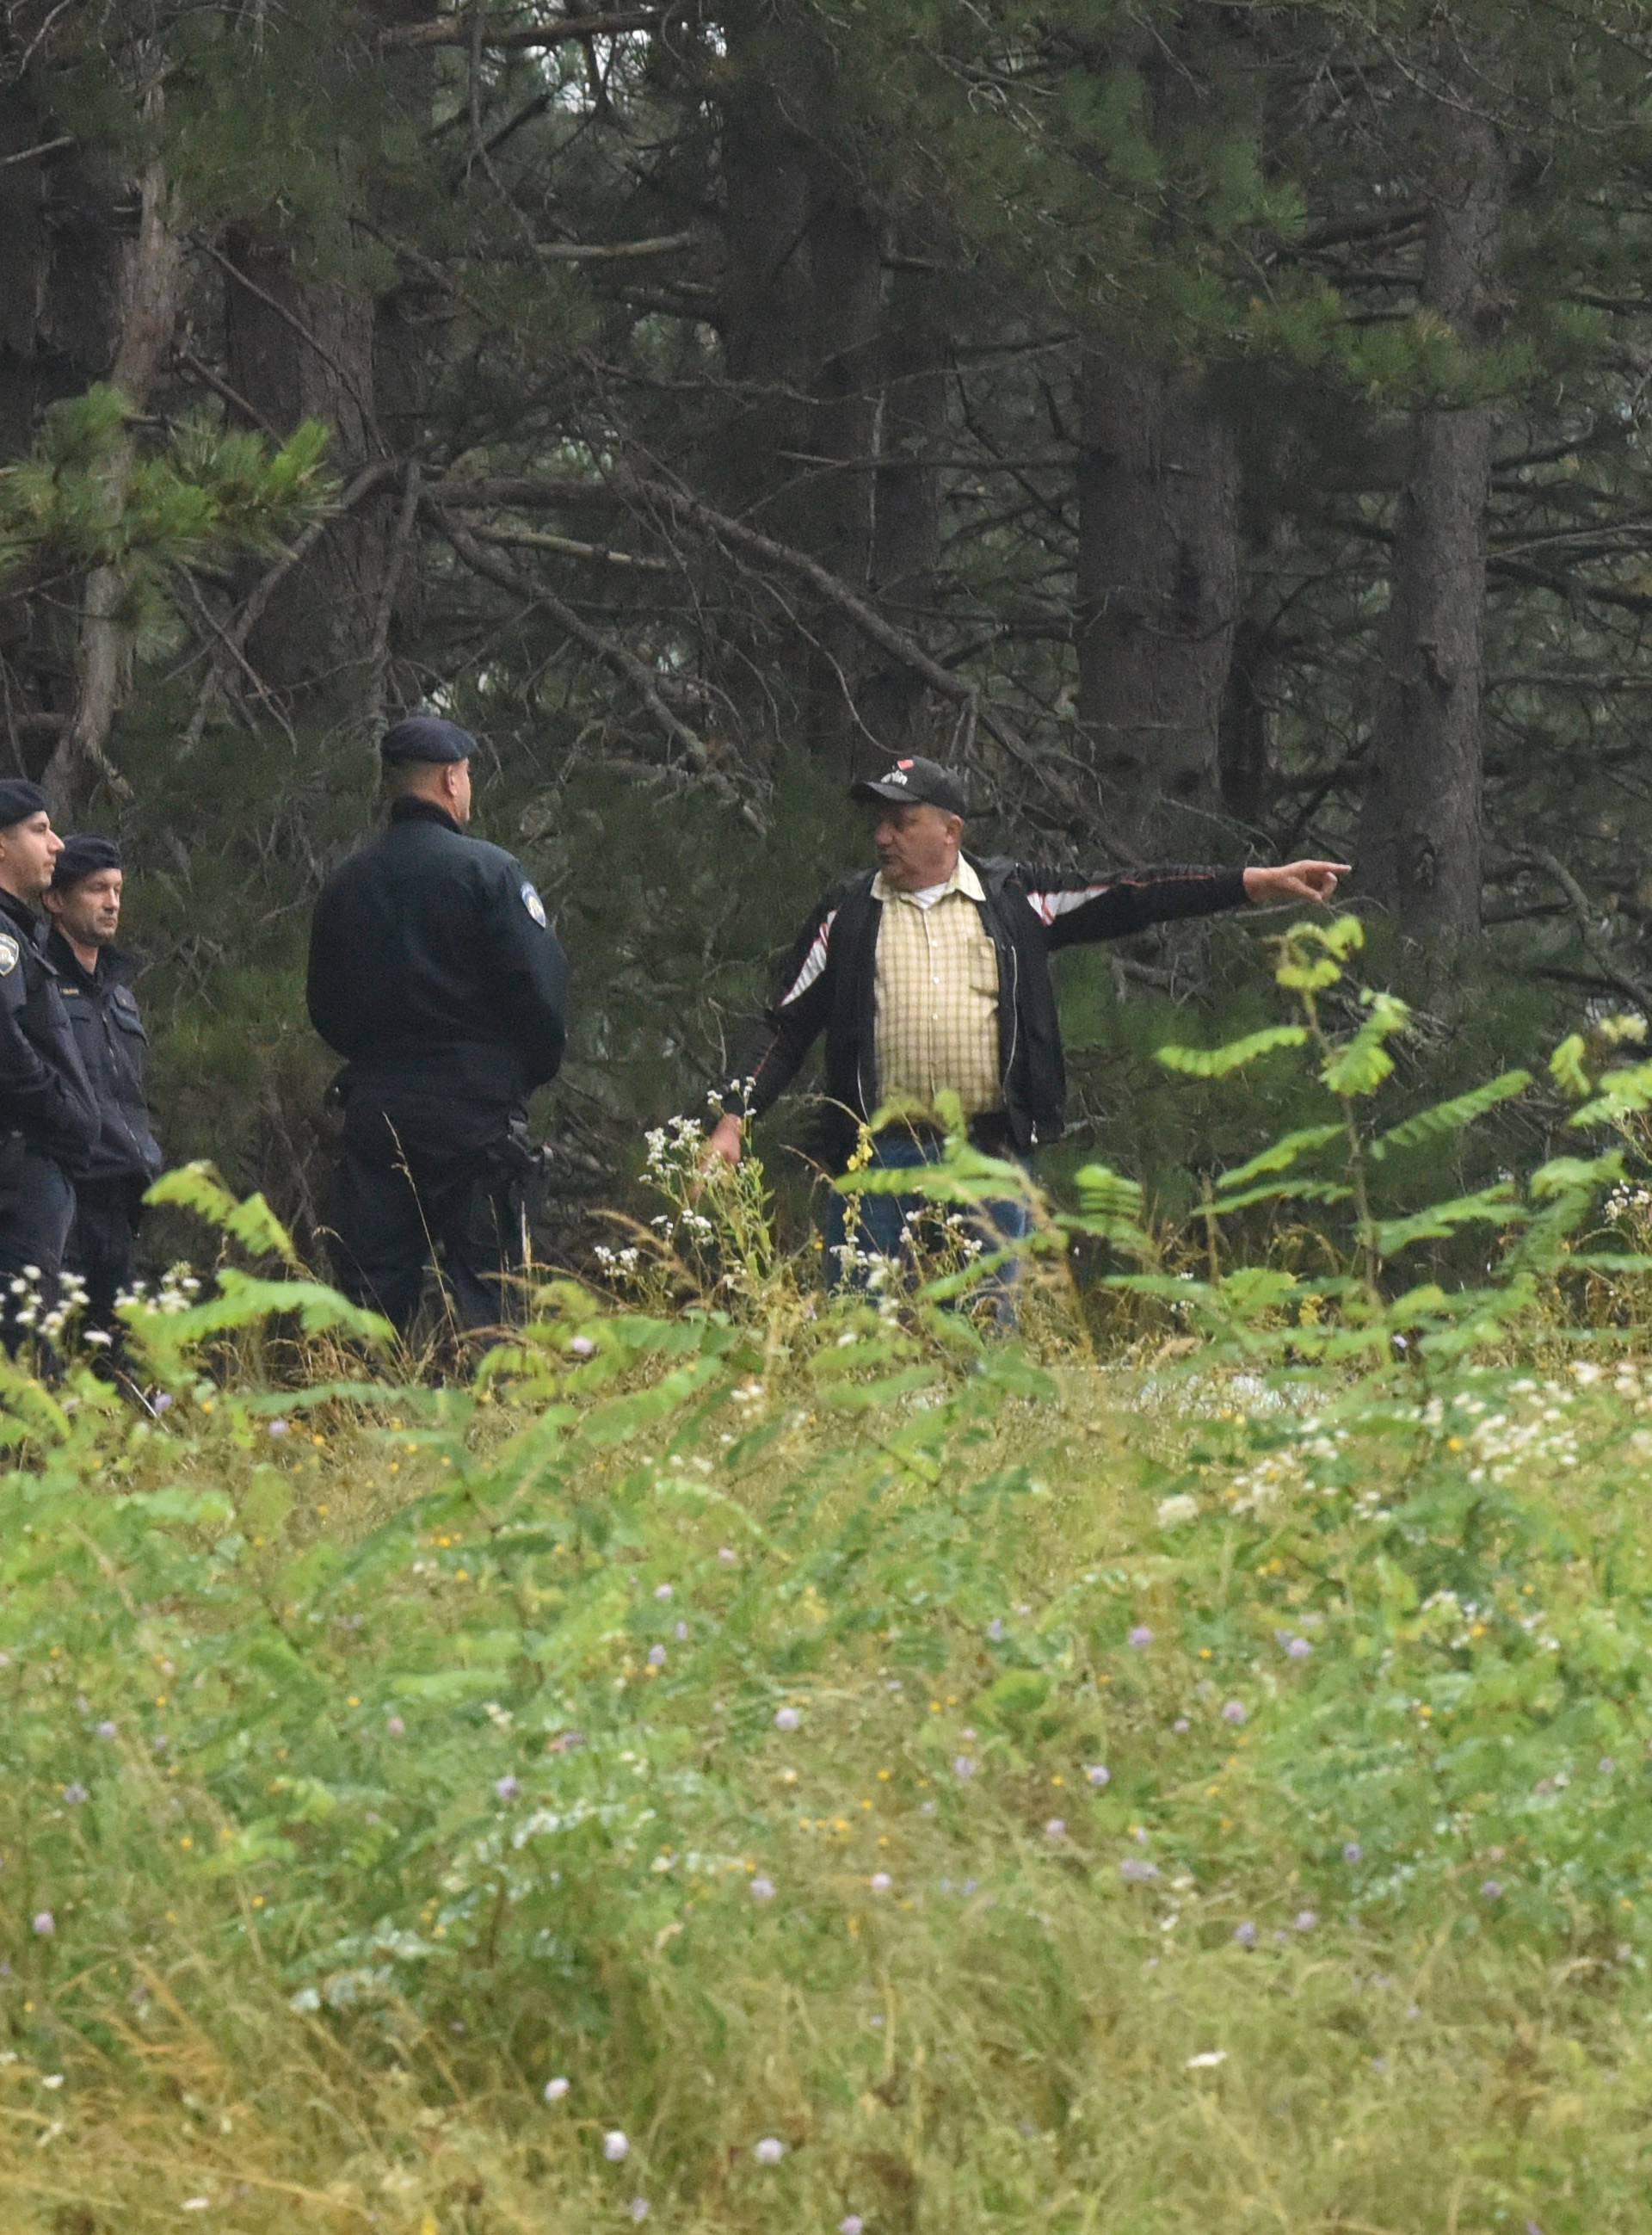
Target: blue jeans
[(877, 1224)]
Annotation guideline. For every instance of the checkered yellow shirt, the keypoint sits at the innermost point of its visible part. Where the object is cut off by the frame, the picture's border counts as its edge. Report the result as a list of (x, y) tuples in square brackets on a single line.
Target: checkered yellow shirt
[(937, 996)]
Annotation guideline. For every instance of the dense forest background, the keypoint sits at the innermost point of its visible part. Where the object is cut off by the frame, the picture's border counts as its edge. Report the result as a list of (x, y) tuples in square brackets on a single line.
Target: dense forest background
[(1221, 428)]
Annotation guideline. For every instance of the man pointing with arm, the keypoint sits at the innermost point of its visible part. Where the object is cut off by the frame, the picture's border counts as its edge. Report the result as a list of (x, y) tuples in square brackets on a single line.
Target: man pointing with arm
[(930, 974)]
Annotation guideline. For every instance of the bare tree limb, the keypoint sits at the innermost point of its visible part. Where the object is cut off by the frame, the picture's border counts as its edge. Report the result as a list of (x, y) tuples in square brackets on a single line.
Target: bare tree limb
[(613, 655), (454, 31), (1631, 987), (613, 252), (370, 480)]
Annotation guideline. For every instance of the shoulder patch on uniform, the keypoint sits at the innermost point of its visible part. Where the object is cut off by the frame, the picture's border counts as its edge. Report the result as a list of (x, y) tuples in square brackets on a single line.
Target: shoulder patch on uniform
[(9, 952), (533, 903)]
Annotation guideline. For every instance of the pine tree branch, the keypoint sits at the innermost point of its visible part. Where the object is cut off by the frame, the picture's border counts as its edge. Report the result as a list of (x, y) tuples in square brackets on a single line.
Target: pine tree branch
[(498, 37)]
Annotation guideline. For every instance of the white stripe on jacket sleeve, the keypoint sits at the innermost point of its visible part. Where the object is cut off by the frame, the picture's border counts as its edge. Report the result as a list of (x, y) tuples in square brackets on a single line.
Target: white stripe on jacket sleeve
[(814, 963)]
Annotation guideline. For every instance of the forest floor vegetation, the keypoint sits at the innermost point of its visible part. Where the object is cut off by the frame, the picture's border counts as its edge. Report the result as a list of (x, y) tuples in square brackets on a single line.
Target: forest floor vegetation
[(742, 1761)]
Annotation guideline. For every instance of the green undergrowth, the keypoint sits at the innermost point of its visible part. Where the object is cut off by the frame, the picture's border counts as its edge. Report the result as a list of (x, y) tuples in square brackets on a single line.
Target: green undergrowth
[(746, 1760)]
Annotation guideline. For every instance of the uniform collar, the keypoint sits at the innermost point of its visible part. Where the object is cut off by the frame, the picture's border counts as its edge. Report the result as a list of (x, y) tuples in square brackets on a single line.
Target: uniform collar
[(22, 915), (115, 967), (963, 880), (423, 811)]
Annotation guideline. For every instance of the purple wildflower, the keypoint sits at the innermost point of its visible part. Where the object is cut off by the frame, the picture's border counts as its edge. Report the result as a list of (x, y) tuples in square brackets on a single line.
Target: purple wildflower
[(582, 1346), (851, 2224), (640, 2207), (1236, 1712), (1352, 1852), (1056, 1828), (106, 1730), (1305, 1920), (76, 1794), (663, 1591), (1141, 1637), (1492, 1888), (963, 1766), (656, 1656), (880, 1882), (1100, 1774), (278, 1427), (995, 1634), (555, 2089), (396, 1726), (763, 1889), (768, 2150), (507, 1788), (615, 2148), (787, 1719), (1245, 1934), (1135, 1871), (1298, 1650), (45, 1924)]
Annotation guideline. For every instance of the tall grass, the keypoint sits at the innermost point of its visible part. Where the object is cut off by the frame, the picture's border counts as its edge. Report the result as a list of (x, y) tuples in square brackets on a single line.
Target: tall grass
[(751, 1762)]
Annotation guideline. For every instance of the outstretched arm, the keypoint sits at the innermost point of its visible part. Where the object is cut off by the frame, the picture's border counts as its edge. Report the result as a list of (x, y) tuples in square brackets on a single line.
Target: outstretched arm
[(1294, 881)]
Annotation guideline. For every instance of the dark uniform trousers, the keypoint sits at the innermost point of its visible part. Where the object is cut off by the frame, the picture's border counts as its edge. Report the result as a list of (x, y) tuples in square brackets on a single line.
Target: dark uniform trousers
[(102, 1244), (36, 1210), (404, 1199)]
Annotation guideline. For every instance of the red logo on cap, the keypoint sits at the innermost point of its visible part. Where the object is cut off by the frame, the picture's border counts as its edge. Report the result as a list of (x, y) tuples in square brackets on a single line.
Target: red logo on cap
[(903, 765)]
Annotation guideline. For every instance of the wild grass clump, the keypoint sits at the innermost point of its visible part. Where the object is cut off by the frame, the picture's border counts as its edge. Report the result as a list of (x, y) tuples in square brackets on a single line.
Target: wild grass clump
[(742, 1761)]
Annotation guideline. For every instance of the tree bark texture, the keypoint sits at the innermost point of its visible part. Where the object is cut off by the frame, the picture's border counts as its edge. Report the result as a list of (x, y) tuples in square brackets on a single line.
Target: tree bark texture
[(906, 520), (60, 287), (1157, 590), (1420, 843), (148, 296), (845, 268)]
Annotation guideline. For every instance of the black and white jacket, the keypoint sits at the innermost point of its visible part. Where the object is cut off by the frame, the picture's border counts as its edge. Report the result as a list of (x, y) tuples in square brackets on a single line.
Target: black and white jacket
[(828, 983)]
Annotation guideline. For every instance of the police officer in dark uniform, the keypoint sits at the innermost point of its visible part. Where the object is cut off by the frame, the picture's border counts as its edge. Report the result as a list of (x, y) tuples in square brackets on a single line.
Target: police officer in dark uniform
[(95, 979), (49, 1120), (434, 972)]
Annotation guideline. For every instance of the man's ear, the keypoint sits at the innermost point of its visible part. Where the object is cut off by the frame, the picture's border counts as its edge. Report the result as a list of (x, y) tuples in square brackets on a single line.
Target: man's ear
[(51, 900)]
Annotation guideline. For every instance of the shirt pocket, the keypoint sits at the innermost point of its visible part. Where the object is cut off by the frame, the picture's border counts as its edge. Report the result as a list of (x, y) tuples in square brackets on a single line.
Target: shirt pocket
[(980, 973)]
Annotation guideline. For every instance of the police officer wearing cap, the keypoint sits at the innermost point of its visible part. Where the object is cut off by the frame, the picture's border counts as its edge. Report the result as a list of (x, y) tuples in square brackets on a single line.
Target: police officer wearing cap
[(95, 979), (930, 974), (434, 972), (49, 1120)]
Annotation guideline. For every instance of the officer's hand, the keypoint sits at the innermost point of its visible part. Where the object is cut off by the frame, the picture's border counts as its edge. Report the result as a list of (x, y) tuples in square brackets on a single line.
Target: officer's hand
[(1295, 880), (722, 1145)]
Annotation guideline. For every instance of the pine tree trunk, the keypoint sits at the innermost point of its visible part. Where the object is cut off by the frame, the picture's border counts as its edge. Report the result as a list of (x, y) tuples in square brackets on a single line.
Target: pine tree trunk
[(300, 348), (148, 296), (1420, 837), (846, 273), (1158, 585), (906, 529), (60, 281)]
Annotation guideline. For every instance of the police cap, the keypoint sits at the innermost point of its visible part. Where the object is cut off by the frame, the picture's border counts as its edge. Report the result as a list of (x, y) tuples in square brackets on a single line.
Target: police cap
[(18, 801), (84, 855), (425, 737)]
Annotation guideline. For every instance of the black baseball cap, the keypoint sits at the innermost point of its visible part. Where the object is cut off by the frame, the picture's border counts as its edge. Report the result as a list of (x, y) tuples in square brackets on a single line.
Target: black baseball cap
[(916, 782)]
